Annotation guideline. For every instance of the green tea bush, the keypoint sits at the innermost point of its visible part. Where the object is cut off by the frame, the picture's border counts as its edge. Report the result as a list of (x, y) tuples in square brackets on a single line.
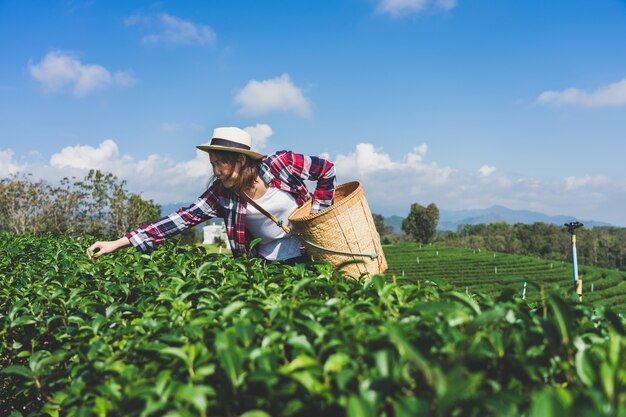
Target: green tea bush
[(489, 273), (184, 333)]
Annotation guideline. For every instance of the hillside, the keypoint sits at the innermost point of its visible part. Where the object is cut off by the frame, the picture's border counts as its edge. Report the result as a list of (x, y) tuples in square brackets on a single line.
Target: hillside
[(487, 272), (450, 220)]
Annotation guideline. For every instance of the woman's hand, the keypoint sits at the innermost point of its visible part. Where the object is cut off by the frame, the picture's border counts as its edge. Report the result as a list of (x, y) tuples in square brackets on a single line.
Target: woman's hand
[(102, 248)]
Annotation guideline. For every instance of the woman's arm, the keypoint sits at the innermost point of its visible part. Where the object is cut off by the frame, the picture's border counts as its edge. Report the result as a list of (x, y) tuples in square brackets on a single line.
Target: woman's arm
[(293, 168), (146, 238), (316, 169), (104, 247)]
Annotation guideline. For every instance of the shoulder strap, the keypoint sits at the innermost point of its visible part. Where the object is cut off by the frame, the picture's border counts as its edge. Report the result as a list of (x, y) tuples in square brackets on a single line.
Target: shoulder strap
[(273, 218)]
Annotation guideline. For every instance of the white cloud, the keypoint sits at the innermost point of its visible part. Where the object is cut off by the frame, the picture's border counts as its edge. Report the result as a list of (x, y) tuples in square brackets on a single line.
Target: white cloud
[(196, 168), (58, 70), (364, 160), (391, 184), (124, 78), (573, 182), (85, 156), (173, 30), (7, 165), (422, 149), (157, 177), (262, 97), (418, 154), (486, 170), (399, 8), (260, 134), (368, 160), (611, 95)]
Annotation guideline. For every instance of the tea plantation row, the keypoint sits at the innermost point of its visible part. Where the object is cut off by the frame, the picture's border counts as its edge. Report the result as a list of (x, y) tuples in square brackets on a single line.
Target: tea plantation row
[(184, 333), (489, 273)]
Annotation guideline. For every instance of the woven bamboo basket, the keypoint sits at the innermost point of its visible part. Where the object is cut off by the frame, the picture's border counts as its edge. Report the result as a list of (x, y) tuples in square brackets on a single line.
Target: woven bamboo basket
[(342, 232)]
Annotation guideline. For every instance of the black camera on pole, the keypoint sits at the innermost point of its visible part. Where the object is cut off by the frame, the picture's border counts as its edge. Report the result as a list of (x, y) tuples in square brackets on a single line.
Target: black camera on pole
[(572, 226)]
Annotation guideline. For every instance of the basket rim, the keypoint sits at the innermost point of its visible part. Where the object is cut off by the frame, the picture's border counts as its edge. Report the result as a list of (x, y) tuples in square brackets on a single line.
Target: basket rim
[(330, 209)]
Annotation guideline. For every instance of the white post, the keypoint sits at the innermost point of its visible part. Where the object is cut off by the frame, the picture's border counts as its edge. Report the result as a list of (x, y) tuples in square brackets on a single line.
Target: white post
[(524, 291)]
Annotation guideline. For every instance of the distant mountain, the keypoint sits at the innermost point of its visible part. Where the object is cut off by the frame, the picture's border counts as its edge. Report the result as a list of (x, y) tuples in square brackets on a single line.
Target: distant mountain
[(395, 222), (450, 220)]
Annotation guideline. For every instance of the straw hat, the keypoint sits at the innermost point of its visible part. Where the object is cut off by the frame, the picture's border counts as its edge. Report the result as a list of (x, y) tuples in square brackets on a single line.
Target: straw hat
[(231, 139)]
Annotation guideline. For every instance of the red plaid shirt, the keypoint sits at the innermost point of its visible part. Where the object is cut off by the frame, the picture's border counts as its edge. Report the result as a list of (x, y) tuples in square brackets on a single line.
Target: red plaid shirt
[(285, 170)]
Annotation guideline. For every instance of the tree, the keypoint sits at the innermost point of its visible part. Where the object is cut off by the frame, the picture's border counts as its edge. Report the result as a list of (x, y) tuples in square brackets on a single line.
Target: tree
[(139, 212), (108, 209), (97, 191), (421, 222), (385, 231), (382, 228), (64, 214), (23, 205), (98, 205)]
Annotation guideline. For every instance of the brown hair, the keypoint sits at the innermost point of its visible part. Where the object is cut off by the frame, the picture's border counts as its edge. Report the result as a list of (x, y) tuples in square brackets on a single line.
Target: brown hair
[(248, 171)]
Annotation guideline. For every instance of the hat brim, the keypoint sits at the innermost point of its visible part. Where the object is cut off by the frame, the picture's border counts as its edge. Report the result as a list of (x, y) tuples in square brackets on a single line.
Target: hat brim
[(251, 154)]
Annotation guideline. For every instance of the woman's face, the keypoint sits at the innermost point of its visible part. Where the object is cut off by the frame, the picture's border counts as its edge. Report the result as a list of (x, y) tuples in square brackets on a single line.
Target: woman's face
[(226, 172)]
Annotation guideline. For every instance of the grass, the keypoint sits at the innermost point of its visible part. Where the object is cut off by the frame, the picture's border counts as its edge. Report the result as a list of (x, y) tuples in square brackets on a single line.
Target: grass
[(213, 248)]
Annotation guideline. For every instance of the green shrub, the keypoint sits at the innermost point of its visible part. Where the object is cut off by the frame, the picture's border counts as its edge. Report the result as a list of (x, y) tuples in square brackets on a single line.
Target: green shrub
[(182, 332)]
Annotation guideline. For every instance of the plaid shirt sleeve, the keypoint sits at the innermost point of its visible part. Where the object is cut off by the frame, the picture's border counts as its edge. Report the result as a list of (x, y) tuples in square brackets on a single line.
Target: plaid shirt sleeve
[(286, 164), (148, 237)]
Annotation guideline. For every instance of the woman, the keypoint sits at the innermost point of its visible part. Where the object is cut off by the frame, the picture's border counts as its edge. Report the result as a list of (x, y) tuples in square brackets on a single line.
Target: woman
[(275, 182)]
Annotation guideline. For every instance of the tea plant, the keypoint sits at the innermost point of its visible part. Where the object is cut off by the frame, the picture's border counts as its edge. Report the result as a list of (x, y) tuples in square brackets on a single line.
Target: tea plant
[(184, 333), (488, 272)]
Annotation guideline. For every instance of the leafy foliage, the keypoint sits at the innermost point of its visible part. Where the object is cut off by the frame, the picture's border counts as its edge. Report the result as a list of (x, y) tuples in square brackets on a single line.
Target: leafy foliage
[(98, 205), (601, 246), (383, 230), (490, 273), (421, 223), (180, 332)]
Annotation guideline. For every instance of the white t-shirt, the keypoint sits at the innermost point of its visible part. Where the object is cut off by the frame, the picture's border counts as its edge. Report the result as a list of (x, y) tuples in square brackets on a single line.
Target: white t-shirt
[(276, 244)]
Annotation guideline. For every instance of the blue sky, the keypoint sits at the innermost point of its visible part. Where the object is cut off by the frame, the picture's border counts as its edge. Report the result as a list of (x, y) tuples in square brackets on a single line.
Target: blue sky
[(465, 103)]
